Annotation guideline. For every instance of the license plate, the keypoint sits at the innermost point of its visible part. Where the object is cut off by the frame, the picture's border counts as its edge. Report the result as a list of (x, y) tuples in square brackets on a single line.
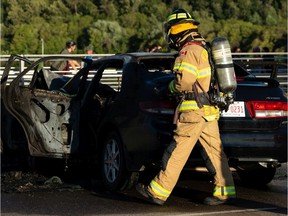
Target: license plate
[(237, 109)]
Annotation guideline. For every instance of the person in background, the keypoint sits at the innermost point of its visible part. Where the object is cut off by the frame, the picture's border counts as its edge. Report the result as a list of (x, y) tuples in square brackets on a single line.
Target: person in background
[(255, 62), (256, 50), (236, 49), (267, 58), (65, 65), (89, 51), (156, 48), (197, 119)]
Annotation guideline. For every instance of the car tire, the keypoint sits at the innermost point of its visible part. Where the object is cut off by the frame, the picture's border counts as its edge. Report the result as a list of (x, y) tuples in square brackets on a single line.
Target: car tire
[(257, 176), (114, 173)]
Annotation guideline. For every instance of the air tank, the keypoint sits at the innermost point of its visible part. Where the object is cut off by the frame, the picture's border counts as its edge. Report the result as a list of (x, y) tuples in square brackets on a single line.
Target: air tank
[(221, 54)]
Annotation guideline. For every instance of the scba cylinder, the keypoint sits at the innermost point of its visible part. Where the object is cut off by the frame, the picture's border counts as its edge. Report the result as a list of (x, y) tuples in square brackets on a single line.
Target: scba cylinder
[(225, 73)]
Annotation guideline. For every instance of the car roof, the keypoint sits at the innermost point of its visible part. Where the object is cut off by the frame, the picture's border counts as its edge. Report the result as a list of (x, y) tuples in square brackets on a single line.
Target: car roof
[(149, 54), (139, 55)]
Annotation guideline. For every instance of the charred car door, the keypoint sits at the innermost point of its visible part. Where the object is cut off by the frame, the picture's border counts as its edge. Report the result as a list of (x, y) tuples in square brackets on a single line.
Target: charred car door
[(48, 113)]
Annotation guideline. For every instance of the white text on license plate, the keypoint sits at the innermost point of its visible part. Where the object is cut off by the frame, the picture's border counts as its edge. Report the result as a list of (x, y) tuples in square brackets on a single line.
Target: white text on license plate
[(237, 109)]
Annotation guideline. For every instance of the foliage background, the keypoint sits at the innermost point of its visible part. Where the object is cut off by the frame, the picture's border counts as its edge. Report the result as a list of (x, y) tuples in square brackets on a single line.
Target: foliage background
[(114, 26)]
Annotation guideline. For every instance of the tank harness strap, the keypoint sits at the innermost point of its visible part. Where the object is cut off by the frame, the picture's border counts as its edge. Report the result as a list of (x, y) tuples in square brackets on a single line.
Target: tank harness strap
[(205, 93), (196, 95), (176, 113)]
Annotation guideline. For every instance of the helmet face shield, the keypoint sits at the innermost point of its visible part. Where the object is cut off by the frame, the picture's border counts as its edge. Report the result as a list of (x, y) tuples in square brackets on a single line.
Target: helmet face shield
[(167, 30), (176, 29)]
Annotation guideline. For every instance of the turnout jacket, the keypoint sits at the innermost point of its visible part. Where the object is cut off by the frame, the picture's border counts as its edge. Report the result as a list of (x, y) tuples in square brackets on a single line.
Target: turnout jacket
[(191, 64)]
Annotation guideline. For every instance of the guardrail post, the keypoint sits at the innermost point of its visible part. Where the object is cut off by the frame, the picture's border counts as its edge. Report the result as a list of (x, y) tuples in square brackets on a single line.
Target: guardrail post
[(22, 65), (274, 71)]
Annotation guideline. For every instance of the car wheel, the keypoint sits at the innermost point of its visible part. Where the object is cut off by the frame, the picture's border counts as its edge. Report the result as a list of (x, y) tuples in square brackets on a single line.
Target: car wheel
[(114, 173), (256, 176)]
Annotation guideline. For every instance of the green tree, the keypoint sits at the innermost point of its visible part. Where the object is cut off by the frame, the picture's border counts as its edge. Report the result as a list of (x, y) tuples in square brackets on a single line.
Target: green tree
[(132, 25), (107, 37)]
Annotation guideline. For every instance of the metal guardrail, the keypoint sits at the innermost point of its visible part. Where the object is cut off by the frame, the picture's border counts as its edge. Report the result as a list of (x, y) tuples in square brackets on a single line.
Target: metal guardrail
[(264, 65), (110, 77)]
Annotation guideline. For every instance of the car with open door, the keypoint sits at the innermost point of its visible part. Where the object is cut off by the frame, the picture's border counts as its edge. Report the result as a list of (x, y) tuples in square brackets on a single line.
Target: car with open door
[(112, 114)]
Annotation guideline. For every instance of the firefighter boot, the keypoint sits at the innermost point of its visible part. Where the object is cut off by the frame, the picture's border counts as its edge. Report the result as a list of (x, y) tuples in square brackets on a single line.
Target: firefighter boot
[(143, 190), (213, 200)]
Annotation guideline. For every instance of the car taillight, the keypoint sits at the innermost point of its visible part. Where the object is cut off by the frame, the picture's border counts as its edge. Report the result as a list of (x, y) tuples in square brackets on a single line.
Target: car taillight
[(239, 79), (158, 107), (267, 109)]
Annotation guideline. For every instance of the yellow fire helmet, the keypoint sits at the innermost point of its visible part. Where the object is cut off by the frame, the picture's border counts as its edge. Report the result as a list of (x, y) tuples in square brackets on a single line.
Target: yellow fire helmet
[(177, 22)]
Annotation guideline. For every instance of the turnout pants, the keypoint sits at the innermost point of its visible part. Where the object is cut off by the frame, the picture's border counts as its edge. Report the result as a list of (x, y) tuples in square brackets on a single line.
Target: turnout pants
[(192, 127)]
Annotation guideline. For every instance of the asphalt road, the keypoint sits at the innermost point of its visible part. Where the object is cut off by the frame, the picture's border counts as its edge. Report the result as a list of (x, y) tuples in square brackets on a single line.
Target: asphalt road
[(186, 200)]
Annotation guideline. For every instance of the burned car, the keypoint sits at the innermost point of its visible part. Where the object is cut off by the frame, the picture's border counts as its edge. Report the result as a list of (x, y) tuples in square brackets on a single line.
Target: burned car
[(110, 113)]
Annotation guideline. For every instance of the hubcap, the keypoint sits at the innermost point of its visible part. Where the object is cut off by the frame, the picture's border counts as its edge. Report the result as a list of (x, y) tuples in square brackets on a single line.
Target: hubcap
[(111, 161)]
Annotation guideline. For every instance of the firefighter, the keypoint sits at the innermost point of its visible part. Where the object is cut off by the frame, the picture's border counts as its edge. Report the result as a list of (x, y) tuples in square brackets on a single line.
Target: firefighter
[(197, 118)]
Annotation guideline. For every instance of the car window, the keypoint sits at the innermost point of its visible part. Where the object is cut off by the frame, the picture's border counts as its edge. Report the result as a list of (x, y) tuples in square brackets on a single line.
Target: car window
[(163, 65), (14, 71), (109, 73), (241, 72), (112, 76)]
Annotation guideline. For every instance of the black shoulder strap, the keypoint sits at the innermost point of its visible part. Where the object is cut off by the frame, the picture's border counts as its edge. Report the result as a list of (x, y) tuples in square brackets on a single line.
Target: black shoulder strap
[(207, 47), (213, 91)]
